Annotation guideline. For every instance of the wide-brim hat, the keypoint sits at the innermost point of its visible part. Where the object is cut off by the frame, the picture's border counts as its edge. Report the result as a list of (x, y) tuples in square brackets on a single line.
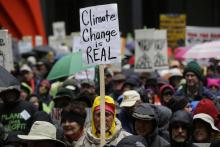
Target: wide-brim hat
[(42, 130), (207, 118)]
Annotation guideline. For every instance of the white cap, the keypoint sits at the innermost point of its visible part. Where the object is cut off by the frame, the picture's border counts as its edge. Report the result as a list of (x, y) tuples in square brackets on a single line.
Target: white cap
[(25, 67), (175, 72), (130, 98)]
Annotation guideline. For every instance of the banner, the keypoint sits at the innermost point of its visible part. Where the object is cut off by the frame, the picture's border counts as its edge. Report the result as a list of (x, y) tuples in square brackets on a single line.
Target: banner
[(175, 24), (6, 56), (150, 50), (196, 35), (100, 36)]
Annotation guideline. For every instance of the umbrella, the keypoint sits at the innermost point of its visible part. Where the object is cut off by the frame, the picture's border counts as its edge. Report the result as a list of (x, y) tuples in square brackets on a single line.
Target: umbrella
[(179, 53), (43, 49), (7, 80), (66, 66), (204, 50)]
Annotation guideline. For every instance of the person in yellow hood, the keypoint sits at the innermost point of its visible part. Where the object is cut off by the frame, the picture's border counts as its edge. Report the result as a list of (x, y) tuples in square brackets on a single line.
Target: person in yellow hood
[(114, 131)]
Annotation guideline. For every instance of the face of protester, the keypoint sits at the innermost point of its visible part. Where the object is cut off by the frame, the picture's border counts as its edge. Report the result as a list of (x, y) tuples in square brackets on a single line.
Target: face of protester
[(71, 128), (191, 79), (43, 89), (9, 96), (23, 95), (201, 132), (109, 118), (28, 76), (167, 96), (144, 127), (42, 143), (188, 108), (179, 133), (118, 85)]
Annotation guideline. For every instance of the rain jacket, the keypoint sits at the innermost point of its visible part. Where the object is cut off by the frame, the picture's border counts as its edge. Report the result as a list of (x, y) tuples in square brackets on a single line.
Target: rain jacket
[(203, 93), (181, 116), (164, 115), (113, 136), (153, 139)]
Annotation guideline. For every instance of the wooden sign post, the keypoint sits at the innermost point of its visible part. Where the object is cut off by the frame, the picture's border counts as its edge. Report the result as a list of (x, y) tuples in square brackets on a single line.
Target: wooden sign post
[(100, 42)]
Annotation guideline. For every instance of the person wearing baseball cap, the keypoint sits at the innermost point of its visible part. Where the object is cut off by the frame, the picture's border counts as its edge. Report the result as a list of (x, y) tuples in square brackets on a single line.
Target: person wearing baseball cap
[(114, 132), (131, 99)]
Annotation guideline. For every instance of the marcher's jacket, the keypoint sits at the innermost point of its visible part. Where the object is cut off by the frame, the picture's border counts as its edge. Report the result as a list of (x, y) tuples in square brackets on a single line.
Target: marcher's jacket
[(203, 93), (89, 140), (185, 118)]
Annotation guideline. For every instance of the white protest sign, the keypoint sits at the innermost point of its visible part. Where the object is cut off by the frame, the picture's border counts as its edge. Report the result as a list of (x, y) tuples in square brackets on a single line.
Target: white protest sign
[(196, 35), (100, 35), (144, 50), (59, 30), (38, 40), (76, 44), (160, 47), (10, 54), (86, 74), (6, 56)]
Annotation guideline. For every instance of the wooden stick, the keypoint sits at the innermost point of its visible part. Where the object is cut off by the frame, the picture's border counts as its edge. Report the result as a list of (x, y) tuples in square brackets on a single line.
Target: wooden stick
[(102, 96)]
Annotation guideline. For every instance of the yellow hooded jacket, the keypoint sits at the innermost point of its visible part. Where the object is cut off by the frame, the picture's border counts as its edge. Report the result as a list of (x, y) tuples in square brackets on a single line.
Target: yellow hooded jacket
[(97, 102)]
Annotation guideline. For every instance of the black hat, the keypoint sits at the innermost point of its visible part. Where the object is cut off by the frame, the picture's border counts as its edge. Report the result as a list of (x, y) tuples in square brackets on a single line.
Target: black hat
[(133, 141)]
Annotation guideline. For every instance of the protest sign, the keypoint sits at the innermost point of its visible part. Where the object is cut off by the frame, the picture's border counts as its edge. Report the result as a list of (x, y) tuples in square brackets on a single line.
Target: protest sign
[(100, 35), (76, 44), (144, 50), (196, 35), (6, 56), (160, 59), (59, 30), (100, 41), (175, 24), (150, 50), (38, 40), (87, 74)]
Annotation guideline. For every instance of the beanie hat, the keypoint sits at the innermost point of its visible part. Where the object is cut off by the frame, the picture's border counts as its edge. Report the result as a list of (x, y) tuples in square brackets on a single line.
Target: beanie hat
[(202, 108), (213, 82), (194, 67), (166, 86)]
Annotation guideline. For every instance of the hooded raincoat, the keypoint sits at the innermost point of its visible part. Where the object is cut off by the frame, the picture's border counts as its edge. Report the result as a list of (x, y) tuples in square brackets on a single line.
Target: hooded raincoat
[(113, 136)]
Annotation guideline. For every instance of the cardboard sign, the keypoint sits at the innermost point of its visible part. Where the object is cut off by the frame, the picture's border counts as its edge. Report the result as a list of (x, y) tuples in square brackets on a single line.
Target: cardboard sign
[(150, 50), (144, 50), (100, 36), (196, 35), (87, 74), (76, 44), (6, 56), (175, 24), (59, 30), (160, 47), (38, 40)]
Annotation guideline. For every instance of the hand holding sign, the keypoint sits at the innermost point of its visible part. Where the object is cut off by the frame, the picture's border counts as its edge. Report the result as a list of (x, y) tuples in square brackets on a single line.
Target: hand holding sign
[(100, 44)]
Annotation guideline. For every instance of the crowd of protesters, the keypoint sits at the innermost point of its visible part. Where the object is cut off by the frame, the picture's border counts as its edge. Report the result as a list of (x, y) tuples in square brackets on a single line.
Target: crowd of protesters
[(180, 109)]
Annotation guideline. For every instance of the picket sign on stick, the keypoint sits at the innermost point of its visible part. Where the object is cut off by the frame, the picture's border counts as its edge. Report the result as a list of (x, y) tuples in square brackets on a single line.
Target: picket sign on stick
[(102, 95), (100, 43)]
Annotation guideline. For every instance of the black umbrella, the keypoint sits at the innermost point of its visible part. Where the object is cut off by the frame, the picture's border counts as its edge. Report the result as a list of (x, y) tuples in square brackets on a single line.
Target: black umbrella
[(7, 80), (43, 49)]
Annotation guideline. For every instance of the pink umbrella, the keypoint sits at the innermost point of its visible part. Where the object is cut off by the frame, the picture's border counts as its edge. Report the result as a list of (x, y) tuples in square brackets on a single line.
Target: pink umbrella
[(204, 50), (179, 53)]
